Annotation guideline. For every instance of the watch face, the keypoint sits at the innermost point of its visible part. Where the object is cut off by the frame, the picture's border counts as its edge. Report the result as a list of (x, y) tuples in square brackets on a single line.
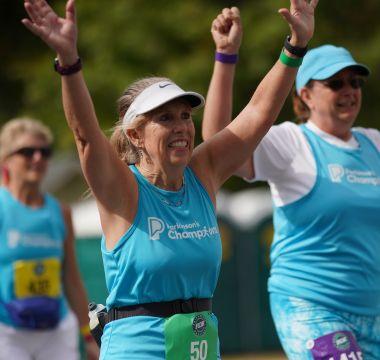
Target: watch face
[(56, 65)]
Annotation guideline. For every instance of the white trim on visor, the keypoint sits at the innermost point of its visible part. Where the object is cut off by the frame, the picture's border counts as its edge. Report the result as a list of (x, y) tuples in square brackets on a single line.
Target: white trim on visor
[(158, 94)]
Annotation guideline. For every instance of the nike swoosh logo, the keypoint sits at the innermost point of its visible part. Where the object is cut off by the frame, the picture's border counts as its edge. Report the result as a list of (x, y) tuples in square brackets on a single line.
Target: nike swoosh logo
[(161, 86)]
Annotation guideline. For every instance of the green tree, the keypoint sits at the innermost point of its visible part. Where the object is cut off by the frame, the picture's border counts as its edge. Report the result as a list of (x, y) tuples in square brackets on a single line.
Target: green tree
[(122, 40)]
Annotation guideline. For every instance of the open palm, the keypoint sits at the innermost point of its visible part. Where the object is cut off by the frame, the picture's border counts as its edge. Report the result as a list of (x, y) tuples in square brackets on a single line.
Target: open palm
[(300, 18), (58, 33)]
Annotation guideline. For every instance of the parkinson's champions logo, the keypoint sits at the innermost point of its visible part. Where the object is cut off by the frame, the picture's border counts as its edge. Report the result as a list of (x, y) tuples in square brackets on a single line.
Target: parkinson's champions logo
[(16, 238), (156, 227), (178, 231), (336, 172)]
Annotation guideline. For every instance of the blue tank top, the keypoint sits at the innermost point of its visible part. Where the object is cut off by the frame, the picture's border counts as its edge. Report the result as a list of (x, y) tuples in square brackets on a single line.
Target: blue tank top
[(326, 246), (28, 236), (172, 251)]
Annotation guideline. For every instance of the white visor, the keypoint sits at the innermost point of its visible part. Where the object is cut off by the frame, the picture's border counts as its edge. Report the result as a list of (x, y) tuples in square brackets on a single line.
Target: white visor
[(159, 94)]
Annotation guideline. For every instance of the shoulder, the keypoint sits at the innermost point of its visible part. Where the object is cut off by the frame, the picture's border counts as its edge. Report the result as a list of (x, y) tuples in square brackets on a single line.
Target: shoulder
[(62, 211), (286, 133), (56, 205), (282, 146), (4, 194), (286, 139), (192, 178), (372, 134), (287, 127)]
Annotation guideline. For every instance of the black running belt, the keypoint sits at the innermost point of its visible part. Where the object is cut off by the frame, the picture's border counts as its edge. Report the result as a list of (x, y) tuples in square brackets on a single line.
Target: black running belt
[(160, 309)]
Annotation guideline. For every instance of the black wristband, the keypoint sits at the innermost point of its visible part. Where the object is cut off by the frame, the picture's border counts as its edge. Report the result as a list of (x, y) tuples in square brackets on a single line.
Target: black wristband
[(294, 50), (67, 70)]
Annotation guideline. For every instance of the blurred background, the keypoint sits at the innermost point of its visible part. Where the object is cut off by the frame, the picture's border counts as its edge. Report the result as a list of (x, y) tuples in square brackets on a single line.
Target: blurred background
[(121, 40)]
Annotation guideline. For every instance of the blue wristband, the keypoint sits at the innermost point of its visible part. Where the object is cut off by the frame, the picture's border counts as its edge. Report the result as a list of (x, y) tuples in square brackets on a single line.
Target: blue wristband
[(226, 58)]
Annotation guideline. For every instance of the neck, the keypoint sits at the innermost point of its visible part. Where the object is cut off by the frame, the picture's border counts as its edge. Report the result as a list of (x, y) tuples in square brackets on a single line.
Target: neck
[(341, 130), (171, 181), (28, 194)]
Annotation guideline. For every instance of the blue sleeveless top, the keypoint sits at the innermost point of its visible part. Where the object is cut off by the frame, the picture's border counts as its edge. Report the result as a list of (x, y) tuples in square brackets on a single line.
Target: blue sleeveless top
[(172, 251), (326, 246), (28, 236)]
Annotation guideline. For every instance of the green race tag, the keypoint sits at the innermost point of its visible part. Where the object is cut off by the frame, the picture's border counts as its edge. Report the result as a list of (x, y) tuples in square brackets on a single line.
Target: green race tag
[(191, 337)]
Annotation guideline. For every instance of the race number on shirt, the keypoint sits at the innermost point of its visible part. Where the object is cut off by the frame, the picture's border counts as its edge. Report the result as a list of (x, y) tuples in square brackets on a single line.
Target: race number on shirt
[(37, 278)]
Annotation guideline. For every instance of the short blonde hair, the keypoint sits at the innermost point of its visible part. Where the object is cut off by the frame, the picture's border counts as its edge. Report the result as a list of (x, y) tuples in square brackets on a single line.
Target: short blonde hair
[(17, 127)]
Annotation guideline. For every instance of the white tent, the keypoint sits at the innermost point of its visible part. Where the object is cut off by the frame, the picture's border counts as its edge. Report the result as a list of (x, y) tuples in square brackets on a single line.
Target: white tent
[(244, 208)]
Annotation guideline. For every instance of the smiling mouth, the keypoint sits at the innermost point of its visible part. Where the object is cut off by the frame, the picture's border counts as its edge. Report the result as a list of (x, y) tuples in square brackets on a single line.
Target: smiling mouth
[(179, 144), (347, 104)]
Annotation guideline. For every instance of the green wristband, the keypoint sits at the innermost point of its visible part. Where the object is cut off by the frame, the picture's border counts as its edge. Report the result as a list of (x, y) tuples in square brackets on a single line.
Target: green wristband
[(289, 61)]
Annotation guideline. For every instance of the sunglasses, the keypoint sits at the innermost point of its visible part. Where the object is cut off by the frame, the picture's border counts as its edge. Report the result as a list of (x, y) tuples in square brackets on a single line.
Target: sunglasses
[(28, 152), (337, 84)]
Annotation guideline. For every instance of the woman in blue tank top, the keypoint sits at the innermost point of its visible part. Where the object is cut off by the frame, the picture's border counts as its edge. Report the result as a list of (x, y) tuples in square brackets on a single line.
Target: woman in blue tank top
[(40, 280), (324, 177), (156, 192)]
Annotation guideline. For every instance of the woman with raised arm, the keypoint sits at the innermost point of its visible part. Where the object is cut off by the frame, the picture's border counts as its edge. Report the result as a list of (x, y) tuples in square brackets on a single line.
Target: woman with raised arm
[(156, 193), (324, 177), (40, 287)]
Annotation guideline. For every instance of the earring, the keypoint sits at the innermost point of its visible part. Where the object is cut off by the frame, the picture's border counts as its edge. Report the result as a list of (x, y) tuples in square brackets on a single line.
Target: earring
[(5, 177)]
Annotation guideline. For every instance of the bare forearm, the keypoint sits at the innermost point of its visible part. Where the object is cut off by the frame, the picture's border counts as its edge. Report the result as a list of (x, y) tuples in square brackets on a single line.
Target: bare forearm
[(79, 108), (73, 287), (247, 130), (218, 108), (268, 100)]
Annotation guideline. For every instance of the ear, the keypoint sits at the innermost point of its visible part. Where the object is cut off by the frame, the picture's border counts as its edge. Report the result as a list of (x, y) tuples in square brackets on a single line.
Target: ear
[(135, 136), (305, 96)]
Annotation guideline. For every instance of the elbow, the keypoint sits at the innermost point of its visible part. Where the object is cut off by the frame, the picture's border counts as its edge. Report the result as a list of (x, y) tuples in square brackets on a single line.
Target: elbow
[(80, 140)]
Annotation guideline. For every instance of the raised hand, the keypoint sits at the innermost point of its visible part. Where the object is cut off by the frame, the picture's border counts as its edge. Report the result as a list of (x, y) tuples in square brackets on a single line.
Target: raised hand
[(227, 31), (300, 18), (58, 33)]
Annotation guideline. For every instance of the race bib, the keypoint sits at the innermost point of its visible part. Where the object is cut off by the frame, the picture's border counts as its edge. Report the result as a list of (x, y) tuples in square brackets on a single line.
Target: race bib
[(339, 345), (34, 278), (191, 337)]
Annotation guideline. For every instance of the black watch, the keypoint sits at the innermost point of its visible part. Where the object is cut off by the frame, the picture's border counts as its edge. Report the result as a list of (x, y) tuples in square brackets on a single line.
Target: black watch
[(294, 50), (67, 70)]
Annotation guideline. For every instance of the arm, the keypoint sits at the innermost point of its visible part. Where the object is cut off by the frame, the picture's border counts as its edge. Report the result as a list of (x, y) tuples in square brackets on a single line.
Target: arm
[(110, 180), (224, 153), (73, 286), (227, 33)]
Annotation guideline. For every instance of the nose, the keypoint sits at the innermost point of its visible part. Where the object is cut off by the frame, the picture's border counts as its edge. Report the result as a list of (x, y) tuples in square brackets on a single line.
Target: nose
[(180, 125), (37, 155)]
